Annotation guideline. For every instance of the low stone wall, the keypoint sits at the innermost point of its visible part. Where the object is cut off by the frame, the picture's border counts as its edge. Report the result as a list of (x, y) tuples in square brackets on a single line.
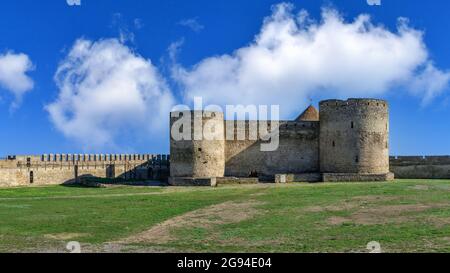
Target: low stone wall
[(352, 177), (189, 181), (302, 177), (237, 180), (421, 167)]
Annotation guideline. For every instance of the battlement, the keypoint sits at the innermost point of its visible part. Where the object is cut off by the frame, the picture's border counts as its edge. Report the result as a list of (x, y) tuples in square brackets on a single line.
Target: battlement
[(333, 103), (48, 169), (285, 127), (425, 167), (419, 160), (343, 136), (82, 159)]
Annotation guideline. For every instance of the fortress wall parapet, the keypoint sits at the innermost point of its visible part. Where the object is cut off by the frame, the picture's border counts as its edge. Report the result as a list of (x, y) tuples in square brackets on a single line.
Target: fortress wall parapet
[(252, 129), (67, 168), (89, 158), (424, 167)]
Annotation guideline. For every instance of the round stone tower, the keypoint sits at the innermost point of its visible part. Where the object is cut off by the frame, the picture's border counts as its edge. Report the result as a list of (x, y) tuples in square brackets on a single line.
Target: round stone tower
[(354, 137), (197, 144)]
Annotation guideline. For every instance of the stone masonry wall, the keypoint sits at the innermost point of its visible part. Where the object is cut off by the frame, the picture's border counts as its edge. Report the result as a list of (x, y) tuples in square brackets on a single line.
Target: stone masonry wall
[(68, 168), (203, 155), (354, 136), (421, 167), (298, 152)]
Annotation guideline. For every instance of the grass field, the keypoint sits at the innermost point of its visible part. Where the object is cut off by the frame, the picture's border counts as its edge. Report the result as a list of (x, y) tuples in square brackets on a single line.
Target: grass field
[(403, 216)]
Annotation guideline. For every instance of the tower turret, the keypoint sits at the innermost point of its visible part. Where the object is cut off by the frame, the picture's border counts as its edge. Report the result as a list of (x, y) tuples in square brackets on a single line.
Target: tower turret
[(202, 155), (354, 137)]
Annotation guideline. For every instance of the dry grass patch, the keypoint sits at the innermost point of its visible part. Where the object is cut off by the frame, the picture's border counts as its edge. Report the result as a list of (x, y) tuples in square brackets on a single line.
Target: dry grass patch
[(224, 213), (384, 214), (421, 187), (65, 236), (353, 203)]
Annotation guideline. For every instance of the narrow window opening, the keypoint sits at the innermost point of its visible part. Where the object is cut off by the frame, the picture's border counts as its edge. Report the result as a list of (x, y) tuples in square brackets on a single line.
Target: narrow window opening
[(334, 144), (356, 159), (76, 173), (353, 125), (31, 177), (253, 174)]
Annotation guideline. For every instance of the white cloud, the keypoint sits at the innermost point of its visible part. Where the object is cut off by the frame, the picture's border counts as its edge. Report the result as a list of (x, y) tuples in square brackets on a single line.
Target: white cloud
[(125, 34), (430, 83), (138, 23), (13, 74), (294, 58), (192, 23), (73, 2), (107, 91)]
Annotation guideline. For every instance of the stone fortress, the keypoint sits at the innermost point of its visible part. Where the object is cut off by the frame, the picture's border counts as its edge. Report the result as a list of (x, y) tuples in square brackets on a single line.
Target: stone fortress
[(343, 141)]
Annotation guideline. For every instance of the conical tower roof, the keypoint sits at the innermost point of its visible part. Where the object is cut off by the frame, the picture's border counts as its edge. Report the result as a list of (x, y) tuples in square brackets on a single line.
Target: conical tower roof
[(310, 114)]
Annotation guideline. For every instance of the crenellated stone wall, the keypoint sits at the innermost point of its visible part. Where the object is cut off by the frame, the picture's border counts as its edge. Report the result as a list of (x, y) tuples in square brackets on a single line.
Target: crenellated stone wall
[(69, 168), (420, 167), (348, 141)]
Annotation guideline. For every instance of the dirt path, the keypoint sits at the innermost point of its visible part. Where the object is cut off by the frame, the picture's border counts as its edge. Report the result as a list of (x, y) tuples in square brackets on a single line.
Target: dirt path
[(223, 213)]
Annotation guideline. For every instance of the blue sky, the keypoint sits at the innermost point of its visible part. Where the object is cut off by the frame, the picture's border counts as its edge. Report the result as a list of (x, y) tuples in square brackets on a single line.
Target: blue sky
[(47, 31)]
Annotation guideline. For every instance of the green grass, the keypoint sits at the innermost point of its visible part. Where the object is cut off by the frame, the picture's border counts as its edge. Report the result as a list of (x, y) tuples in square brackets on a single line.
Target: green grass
[(403, 216)]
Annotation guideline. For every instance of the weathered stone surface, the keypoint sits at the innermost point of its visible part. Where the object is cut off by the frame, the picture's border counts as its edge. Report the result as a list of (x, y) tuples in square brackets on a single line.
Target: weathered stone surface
[(348, 143), (302, 177), (190, 181), (198, 157), (350, 137), (67, 169), (356, 177), (354, 136), (236, 180), (428, 167)]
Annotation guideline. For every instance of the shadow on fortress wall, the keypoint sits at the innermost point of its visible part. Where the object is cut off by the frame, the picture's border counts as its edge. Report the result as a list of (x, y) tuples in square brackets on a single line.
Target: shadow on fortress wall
[(90, 181), (146, 174), (298, 152)]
